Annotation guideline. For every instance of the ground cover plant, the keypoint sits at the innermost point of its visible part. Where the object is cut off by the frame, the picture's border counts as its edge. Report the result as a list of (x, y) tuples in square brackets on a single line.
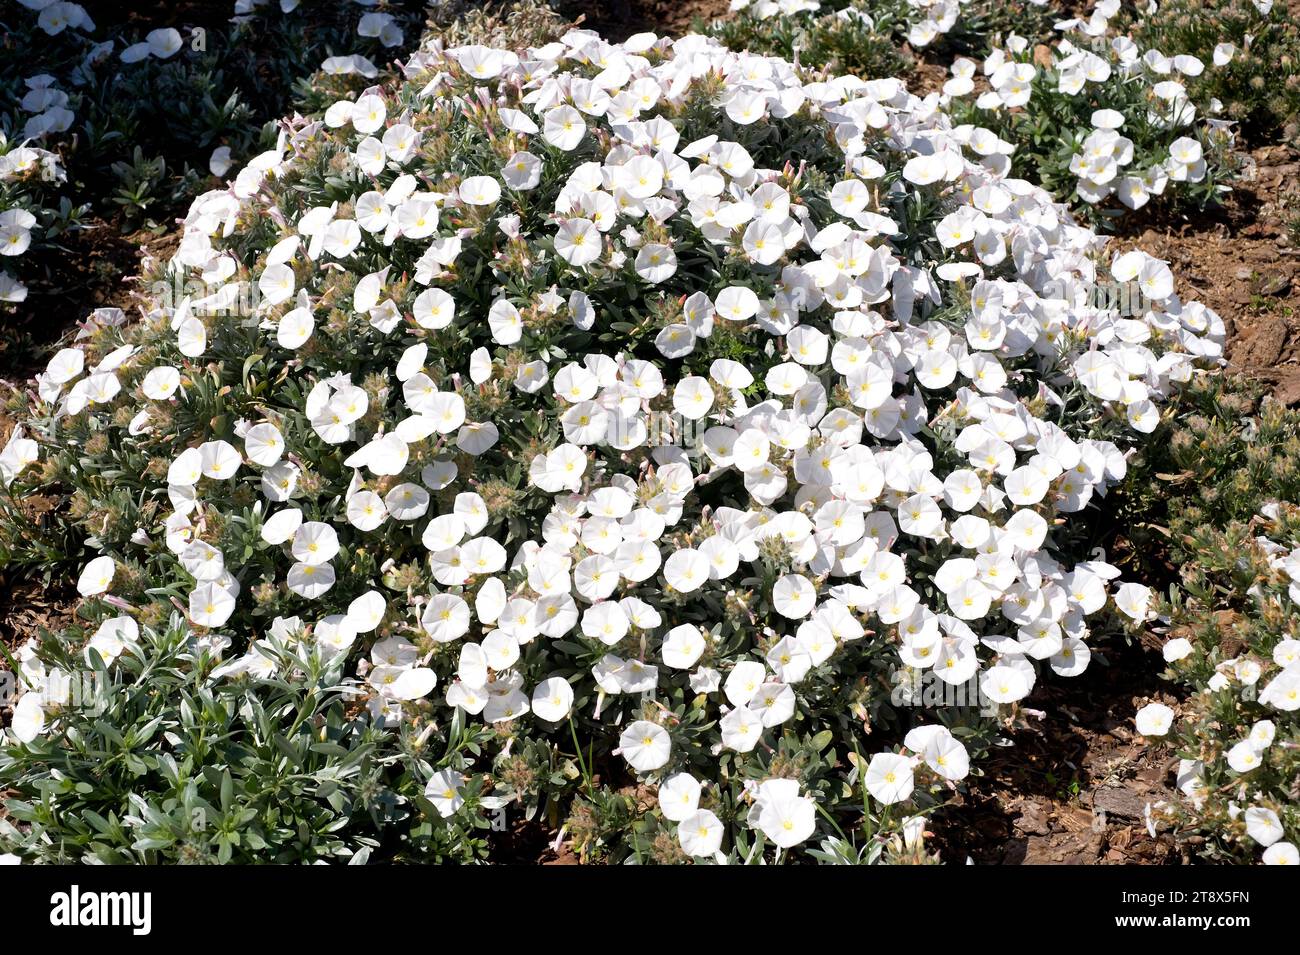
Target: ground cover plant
[(1103, 121), (1100, 121), (683, 452), (427, 475), (1255, 49), (873, 37), (1221, 493), (108, 125)]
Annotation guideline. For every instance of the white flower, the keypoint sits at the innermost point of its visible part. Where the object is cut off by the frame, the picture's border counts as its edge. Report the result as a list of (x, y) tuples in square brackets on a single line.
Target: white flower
[(480, 62), (785, 818), (96, 577), (219, 162), (700, 833), (341, 238), (1244, 757), (192, 338), (1154, 719), (693, 397), (553, 699), (281, 526), (1283, 691), (160, 383), (263, 444), (276, 284), (679, 797), (28, 720), (686, 570), (1263, 825), (946, 755), (794, 596), (656, 263), (1004, 684), (522, 171), (646, 746), (563, 127), (446, 617), (480, 190), (366, 510), (368, 113), (367, 611), (578, 242), (402, 683), (1281, 853), (889, 778), (443, 790), (736, 303), (682, 646), (641, 177), (211, 604), (164, 43), (924, 170), (312, 581)]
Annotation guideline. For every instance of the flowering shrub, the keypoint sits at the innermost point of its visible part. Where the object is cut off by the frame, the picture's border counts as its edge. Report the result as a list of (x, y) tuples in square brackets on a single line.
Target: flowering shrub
[(852, 39), (141, 121), (1103, 125), (29, 179), (864, 36), (564, 420), (1232, 627), (1254, 48), (961, 25)]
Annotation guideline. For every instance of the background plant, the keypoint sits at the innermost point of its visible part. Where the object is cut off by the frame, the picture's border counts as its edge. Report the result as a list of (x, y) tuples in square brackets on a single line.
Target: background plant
[(1218, 494), (1097, 126), (135, 140), (1255, 50)]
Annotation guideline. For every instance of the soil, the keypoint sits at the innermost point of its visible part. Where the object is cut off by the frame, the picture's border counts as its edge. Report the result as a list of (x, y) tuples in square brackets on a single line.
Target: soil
[(530, 843), (1073, 786), (926, 77), (28, 607)]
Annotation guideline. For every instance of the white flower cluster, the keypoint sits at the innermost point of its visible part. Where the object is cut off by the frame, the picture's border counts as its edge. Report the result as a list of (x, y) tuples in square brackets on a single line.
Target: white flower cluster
[(1262, 823), (18, 166), (49, 115), (933, 19), (1105, 157), (163, 43), (49, 106), (766, 9), (929, 20), (29, 175), (21, 165), (55, 16), (917, 413)]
